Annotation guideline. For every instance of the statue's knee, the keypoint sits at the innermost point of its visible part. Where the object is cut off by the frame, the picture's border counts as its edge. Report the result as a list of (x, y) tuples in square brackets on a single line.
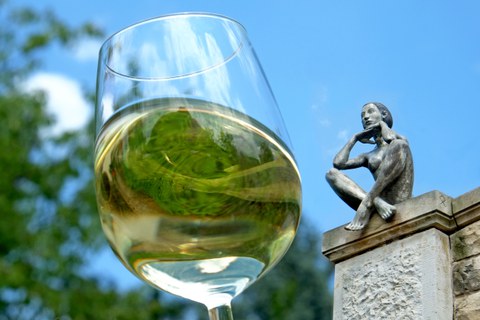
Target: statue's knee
[(331, 174)]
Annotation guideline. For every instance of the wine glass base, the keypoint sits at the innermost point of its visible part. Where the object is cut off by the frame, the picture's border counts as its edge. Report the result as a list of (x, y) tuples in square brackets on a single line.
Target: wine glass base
[(212, 282)]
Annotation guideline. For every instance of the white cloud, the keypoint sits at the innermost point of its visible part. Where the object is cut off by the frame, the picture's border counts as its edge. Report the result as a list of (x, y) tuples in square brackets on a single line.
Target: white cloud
[(476, 67), (325, 123), (65, 101), (321, 94), (87, 50), (342, 135), (320, 107)]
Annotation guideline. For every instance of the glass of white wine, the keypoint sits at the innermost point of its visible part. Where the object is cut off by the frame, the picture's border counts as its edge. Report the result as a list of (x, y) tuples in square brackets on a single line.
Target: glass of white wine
[(198, 191)]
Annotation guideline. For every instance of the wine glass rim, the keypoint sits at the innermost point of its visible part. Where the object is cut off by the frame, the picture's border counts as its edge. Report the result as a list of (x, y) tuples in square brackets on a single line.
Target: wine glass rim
[(166, 17)]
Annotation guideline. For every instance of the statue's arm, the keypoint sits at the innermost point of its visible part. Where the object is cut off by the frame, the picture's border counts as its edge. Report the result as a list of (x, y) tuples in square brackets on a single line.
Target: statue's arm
[(342, 161)]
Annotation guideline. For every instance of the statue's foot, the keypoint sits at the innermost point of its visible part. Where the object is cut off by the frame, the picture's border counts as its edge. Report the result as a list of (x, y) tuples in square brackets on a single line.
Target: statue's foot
[(354, 226), (361, 218), (384, 209)]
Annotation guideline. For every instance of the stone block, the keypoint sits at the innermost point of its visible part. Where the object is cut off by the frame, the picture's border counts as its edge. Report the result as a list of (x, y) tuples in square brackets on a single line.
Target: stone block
[(406, 279), (466, 276), (467, 307), (466, 242)]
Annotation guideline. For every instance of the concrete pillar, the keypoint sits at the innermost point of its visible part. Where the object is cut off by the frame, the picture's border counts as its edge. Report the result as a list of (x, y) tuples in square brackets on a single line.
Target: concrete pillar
[(401, 269)]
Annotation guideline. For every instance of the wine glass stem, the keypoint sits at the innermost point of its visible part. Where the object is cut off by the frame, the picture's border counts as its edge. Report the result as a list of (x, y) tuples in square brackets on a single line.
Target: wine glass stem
[(221, 313)]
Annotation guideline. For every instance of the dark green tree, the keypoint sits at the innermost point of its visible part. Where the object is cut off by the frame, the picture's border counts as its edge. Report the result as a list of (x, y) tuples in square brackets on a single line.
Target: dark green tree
[(297, 288)]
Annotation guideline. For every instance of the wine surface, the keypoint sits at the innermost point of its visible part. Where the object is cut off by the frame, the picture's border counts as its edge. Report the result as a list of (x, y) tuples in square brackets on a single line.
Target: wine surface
[(195, 198)]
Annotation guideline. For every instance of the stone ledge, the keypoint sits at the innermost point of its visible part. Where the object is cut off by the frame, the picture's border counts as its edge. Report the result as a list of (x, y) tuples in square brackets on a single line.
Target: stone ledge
[(430, 210), (466, 208)]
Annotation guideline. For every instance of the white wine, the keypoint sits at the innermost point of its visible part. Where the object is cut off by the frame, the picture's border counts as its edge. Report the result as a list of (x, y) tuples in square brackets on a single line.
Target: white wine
[(195, 198)]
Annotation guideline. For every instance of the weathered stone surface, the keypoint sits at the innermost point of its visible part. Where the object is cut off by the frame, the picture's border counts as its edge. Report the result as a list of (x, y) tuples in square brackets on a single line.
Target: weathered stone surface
[(402, 269), (466, 276), (466, 242), (387, 288), (467, 307), (430, 210), (466, 208), (406, 279), (466, 200)]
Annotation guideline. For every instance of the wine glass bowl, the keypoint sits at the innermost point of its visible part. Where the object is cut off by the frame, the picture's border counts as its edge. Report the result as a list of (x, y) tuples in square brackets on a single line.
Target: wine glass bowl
[(197, 188)]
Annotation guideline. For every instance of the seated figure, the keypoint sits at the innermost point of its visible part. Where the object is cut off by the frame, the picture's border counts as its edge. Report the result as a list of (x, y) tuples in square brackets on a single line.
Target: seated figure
[(390, 163)]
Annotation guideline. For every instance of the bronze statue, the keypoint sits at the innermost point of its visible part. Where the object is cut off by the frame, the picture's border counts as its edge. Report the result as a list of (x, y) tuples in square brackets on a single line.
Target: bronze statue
[(390, 163)]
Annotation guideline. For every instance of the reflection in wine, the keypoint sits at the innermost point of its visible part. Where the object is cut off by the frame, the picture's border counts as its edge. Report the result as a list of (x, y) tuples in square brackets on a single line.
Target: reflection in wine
[(195, 198)]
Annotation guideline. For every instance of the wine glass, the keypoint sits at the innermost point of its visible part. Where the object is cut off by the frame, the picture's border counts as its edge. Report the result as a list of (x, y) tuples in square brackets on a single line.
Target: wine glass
[(198, 191)]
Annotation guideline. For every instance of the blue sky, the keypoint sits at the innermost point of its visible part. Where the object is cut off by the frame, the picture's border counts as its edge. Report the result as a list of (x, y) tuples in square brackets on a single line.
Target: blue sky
[(324, 60)]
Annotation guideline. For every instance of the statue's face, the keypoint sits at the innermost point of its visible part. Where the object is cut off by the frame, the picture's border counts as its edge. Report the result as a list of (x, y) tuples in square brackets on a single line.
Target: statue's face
[(370, 115)]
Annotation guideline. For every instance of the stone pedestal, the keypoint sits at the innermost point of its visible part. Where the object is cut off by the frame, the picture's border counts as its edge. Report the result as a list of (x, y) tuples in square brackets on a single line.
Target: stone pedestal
[(406, 268)]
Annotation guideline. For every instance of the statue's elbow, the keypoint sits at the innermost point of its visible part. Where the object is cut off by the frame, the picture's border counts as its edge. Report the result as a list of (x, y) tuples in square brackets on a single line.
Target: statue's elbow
[(338, 165)]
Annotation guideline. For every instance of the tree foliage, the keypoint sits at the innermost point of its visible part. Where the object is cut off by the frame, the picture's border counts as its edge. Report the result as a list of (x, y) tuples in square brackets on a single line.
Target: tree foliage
[(49, 227), (297, 288), (46, 230)]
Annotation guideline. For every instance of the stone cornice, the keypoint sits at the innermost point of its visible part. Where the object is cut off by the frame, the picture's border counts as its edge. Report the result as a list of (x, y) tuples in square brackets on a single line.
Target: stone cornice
[(466, 208), (430, 210)]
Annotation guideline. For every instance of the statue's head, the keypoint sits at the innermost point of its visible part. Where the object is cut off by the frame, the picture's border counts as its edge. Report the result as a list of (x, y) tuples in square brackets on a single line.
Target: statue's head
[(369, 115)]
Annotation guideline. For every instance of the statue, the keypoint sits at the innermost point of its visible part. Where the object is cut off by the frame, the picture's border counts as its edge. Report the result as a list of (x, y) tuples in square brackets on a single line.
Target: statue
[(390, 163)]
